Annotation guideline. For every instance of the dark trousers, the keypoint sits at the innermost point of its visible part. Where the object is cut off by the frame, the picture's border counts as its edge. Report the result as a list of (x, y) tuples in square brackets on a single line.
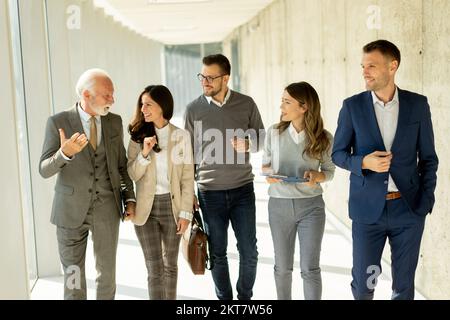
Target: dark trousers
[(218, 209), (404, 230)]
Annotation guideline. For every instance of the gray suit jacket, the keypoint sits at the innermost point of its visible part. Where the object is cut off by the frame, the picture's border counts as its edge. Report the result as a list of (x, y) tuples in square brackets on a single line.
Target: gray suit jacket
[(75, 178)]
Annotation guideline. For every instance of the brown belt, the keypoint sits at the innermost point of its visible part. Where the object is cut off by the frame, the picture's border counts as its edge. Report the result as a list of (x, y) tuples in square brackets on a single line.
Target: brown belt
[(393, 195)]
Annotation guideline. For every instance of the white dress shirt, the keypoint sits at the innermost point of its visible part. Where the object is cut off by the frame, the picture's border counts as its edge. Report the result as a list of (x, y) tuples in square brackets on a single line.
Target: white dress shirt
[(162, 169), (217, 103), (387, 118), (296, 136), (86, 124)]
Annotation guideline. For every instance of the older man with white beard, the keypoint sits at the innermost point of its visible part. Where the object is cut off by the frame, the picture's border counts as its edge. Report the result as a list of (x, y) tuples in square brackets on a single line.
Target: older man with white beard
[(84, 147)]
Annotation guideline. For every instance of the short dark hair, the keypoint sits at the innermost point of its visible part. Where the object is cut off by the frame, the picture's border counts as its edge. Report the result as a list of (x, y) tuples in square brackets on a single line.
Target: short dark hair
[(220, 60), (386, 48)]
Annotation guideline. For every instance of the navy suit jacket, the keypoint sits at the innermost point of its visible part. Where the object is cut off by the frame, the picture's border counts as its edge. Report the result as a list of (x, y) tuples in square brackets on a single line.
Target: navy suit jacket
[(414, 163)]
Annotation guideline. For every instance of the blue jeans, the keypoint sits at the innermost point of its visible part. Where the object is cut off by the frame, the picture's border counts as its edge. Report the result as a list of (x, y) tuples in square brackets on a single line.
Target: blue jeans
[(218, 209)]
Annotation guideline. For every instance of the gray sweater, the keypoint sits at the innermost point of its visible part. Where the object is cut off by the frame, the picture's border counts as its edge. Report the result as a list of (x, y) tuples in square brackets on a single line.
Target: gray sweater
[(287, 158), (218, 166)]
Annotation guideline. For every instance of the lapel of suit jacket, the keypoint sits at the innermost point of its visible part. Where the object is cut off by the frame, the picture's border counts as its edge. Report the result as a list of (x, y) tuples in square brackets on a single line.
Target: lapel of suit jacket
[(169, 153), (371, 120), (106, 132), (152, 169), (403, 118), (75, 123)]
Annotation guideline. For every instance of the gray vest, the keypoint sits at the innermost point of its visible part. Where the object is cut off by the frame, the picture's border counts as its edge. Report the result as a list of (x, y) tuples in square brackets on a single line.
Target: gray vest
[(102, 190)]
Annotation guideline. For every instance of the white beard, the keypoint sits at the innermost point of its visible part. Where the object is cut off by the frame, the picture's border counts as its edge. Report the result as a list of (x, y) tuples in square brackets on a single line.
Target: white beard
[(101, 110)]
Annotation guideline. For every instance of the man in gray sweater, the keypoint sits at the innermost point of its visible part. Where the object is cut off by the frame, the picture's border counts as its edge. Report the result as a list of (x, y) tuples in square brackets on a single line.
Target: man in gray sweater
[(225, 126)]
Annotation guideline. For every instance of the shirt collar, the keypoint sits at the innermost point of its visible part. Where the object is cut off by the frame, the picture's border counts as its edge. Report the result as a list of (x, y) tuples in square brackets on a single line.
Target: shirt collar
[(163, 131), (298, 136), (86, 116), (376, 100), (227, 96)]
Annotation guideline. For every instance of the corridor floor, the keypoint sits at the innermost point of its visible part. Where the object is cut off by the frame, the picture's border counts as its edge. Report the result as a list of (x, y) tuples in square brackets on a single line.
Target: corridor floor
[(336, 259)]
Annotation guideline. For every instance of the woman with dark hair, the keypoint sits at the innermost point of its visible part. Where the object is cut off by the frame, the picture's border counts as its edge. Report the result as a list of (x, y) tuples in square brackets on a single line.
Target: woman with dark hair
[(298, 151), (160, 162)]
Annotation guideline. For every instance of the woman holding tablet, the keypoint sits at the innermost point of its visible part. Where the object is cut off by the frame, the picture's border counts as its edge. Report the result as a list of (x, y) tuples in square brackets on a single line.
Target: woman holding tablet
[(298, 149)]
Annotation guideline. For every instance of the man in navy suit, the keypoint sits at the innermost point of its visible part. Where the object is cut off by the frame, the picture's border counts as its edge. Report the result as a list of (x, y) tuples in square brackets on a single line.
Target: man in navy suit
[(385, 139)]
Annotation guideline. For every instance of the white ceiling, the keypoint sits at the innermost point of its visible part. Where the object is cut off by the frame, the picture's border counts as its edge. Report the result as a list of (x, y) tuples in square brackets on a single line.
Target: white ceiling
[(183, 21)]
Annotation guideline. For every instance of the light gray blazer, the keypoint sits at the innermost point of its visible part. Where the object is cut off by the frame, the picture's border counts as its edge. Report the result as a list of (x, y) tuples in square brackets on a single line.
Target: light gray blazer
[(75, 178)]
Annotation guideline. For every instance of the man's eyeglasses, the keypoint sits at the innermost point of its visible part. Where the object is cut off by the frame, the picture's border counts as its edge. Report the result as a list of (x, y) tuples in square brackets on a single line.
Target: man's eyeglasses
[(209, 79)]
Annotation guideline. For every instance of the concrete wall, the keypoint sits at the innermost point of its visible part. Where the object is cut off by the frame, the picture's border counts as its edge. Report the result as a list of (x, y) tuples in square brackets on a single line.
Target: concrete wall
[(320, 42), (53, 58)]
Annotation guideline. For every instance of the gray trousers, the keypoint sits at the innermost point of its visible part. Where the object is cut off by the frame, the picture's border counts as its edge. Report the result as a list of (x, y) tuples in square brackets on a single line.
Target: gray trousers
[(103, 222), (160, 244), (304, 218)]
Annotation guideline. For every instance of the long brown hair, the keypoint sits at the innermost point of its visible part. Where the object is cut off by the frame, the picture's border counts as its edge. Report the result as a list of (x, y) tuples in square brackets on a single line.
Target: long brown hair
[(138, 128), (317, 141)]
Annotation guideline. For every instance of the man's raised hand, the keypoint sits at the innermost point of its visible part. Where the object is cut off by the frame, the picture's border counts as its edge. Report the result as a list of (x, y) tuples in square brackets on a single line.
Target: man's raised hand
[(75, 144)]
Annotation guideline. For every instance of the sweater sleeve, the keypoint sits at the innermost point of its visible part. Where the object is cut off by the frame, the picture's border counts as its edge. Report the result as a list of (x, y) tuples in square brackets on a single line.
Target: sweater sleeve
[(256, 123), (327, 166)]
